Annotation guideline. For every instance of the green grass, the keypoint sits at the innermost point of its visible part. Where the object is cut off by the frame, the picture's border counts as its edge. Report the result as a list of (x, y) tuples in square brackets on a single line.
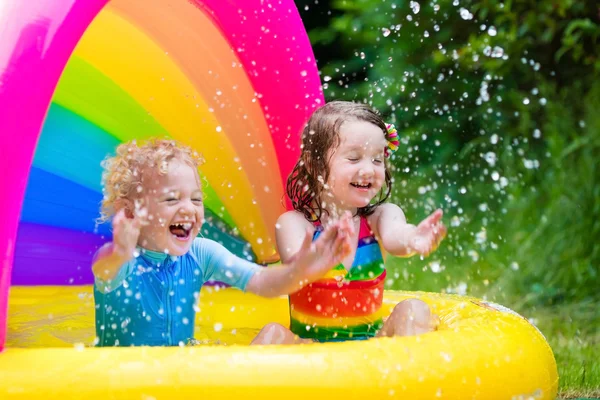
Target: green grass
[(573, 332)]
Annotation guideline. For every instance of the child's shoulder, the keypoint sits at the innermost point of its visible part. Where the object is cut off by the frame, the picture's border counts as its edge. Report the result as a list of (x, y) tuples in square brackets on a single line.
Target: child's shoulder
[(202, 244), (384, 209), (383, 212), (293, 219)]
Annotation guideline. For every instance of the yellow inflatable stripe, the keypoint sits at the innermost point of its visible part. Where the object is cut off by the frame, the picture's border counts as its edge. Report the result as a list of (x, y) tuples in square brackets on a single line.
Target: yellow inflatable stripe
[(337, 322), (134, 62)]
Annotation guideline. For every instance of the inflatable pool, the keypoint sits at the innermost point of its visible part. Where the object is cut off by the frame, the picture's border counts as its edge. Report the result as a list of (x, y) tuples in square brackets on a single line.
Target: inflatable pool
[(481, 351), (235, 80)]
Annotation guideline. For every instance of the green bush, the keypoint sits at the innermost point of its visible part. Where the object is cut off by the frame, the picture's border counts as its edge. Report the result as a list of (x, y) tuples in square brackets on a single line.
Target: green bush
[(497, 103)]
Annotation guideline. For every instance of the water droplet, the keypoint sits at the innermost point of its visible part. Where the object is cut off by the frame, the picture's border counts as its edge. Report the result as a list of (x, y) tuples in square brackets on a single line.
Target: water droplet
[(436, 267), (491, 158), (464, 13), (219, 129), (415, 7), (326, 78), (474, 255), (481, 237), (537, 133), (531, 164), (362, 55), (526, 100), (514, 266), (492, 31), (543, 101), (303, 73), (218, 326), (386, 32), (497, 52)]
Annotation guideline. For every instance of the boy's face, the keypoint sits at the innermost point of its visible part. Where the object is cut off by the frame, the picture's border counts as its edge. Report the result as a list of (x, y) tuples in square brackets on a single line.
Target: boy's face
[(175, 210)]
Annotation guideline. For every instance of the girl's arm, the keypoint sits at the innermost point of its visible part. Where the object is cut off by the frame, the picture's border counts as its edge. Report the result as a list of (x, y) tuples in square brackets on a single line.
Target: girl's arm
[(288, 235), (304, 260), (402, 239)]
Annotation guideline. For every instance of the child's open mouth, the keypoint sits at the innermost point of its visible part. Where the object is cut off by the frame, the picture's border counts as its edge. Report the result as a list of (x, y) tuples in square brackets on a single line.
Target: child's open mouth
[(363, 186), (181, 230)]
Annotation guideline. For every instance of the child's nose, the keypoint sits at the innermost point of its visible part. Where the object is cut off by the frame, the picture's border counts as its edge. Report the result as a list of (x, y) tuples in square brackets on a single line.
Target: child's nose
[(366, 170), (187, 208)]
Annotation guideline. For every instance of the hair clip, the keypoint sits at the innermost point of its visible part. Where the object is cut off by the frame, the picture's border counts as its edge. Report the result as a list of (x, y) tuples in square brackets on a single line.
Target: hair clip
[(392, 139)]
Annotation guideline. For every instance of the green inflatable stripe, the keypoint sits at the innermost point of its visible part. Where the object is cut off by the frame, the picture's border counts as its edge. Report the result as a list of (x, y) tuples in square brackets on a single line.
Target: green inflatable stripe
[(332, 333)]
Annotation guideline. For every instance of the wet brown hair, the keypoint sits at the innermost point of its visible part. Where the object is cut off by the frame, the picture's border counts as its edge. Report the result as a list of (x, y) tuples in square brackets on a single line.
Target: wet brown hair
[(320, 136)]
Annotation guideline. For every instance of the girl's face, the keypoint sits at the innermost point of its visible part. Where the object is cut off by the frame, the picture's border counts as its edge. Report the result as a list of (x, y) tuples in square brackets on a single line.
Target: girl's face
[(175, 209), (356, 167)]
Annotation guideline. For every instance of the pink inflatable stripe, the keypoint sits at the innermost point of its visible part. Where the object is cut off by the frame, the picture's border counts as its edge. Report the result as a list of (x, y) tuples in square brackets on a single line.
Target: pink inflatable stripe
[(288, 81), (38, 37)]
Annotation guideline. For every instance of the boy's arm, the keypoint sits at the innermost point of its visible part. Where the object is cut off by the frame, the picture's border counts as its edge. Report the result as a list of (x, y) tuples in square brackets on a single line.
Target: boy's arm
[(309, 262), (108, 262), (112, 256), (402, 239)]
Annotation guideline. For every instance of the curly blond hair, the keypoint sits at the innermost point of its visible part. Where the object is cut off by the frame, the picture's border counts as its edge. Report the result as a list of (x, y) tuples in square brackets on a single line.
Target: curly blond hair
[(122, 176)]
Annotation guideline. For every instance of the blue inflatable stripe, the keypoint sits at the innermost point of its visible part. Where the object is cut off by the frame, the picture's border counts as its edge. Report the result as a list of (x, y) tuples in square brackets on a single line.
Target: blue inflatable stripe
[(72, 147), (55, 201)]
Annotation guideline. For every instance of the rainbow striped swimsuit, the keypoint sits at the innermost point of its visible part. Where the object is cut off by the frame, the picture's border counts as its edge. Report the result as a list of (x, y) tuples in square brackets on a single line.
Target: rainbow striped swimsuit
[(343, 305)]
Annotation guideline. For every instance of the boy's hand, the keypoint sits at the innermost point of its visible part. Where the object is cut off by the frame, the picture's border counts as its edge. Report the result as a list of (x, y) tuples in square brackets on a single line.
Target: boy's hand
[(315, 259), (429, 234), (126, 232)]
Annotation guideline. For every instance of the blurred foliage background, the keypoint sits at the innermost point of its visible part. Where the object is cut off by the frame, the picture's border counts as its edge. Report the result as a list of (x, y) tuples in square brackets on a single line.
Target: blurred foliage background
[(498, 106)]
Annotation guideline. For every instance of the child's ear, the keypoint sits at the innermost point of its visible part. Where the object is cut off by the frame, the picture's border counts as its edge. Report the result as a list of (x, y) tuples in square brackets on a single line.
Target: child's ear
[(124, 204)]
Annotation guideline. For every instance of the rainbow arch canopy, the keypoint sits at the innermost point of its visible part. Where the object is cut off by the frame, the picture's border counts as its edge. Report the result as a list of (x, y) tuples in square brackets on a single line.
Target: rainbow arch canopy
[(234, 80)]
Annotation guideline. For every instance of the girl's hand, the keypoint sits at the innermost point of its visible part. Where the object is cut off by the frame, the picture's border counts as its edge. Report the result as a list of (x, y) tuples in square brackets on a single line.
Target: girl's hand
[(315, 259), (126, 232), (429, 233)]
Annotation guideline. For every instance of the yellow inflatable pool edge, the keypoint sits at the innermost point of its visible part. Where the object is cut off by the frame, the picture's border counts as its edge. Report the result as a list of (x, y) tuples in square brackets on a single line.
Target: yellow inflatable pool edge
[(481, 351)]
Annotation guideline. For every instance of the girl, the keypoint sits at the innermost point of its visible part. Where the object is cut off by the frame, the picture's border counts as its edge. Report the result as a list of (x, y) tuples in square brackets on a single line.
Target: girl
[(342, 168), (147, 280)]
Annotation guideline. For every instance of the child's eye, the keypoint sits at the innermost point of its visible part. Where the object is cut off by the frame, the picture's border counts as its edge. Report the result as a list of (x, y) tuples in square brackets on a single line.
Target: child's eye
[(353, 159), (197, 200), (171, 200), (377, 160)]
